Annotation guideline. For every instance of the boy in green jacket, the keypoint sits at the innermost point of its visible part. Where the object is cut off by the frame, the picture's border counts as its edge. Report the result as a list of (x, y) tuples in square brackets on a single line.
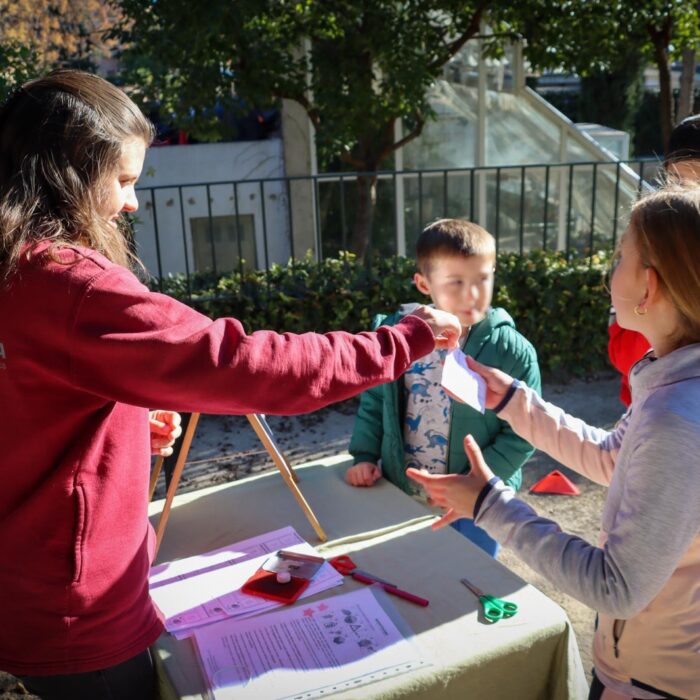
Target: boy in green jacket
[(412, 422)]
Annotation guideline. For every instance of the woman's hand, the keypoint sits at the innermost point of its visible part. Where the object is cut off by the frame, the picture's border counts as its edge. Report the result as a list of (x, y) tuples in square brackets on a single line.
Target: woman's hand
[(445, 326), (497, 382), (456, 493), (165, 429)]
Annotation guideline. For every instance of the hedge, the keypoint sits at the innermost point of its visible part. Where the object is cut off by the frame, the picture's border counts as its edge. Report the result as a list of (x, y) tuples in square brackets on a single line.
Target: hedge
[(559, 303)]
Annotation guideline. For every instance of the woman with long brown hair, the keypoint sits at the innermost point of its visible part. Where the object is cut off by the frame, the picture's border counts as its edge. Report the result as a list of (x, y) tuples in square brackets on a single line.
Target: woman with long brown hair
[(86, 350)]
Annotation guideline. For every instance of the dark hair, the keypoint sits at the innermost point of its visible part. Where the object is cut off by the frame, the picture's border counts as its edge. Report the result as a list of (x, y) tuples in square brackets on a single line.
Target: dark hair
[(60, 137), (666, 228), (684, 142), (452, 237)]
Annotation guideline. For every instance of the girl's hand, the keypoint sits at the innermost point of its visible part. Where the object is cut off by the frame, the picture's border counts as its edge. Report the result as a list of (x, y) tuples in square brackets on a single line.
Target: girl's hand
[(445, 326), (165, 429), (456, 493), (363, 474), (497, 382)]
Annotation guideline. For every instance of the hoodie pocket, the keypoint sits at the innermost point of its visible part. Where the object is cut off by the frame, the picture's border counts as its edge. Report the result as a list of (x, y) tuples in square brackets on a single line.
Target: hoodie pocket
[(81, 512)]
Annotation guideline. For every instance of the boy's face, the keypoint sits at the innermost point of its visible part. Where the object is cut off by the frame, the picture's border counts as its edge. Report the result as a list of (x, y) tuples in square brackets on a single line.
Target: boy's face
[(461, 285)]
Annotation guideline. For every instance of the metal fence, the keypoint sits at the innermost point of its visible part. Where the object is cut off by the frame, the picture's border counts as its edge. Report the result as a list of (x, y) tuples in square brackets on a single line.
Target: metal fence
[(218, 227)]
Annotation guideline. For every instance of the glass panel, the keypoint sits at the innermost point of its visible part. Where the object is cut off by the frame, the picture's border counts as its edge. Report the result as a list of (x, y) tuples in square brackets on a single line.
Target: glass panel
[(517, 133), (577, 152), (463, 68), (224, 232), (448, 141), (615, 141), (499, 73)]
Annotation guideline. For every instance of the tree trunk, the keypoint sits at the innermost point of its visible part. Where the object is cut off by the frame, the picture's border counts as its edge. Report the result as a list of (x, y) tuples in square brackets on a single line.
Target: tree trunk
[(685, 100), (364, 216), (660, 41)]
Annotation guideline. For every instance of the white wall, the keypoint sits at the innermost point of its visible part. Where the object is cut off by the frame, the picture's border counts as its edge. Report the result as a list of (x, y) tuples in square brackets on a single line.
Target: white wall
[(174, 173)]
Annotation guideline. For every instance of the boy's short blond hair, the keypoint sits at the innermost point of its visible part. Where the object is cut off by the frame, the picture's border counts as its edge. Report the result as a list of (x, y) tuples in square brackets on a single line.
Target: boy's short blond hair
[(451, 237)]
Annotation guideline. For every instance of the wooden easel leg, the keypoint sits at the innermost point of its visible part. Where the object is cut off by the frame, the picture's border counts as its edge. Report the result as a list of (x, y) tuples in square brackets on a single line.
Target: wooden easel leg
[(263, 432), (154, 477), (177, 473)]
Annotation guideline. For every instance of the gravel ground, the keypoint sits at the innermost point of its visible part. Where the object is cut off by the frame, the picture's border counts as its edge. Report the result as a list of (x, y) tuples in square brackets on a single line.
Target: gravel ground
[(225, 449)]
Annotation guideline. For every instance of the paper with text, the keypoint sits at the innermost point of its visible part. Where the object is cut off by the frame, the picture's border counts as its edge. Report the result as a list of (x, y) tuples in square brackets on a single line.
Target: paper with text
[(306, 651), (205, 588), (462, 382)]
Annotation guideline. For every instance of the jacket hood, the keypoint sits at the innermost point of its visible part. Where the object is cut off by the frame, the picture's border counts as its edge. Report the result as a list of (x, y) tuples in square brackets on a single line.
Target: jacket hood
[(677, 366)]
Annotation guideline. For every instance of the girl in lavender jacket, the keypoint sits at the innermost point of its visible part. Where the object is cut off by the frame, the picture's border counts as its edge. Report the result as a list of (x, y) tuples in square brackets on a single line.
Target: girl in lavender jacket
[(643, 577)]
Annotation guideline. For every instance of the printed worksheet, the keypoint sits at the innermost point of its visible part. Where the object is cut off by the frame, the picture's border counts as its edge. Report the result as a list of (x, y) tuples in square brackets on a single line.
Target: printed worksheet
[(306, 651), (206, 588)]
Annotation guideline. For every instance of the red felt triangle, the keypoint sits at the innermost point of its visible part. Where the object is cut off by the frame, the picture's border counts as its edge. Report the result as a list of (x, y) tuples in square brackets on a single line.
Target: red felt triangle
[(555, 482)]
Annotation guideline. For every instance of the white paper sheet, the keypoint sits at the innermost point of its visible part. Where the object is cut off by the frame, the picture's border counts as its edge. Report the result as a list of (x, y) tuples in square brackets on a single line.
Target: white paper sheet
[(463, 383), (206, 588), (306, 651)]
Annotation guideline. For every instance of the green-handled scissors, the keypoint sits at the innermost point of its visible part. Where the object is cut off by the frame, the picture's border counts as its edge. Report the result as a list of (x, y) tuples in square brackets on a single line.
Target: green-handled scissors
[(495, 609)]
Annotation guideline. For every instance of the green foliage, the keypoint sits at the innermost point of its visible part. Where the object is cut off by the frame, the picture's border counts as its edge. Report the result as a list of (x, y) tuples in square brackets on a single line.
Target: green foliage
[(17, 65), (588, 37), (614, 97), (355, 67), (336, 294), (608, 42), (559, 304), (647, 132)]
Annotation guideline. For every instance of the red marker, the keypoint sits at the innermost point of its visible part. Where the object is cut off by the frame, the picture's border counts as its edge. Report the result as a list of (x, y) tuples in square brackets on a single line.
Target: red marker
[(393, 590), (347, 567)]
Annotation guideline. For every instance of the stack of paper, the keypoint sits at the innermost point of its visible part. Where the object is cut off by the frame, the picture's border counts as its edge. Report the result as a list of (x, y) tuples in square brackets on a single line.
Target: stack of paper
[(307, 651), (206, 588)]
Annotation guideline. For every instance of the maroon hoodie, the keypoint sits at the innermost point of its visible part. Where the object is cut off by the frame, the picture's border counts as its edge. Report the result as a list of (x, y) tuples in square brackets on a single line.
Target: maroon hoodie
[(85, 350)]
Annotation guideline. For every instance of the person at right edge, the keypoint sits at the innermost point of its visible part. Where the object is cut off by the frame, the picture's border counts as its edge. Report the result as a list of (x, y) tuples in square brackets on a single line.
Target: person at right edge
[(643, 576), (682, 163)]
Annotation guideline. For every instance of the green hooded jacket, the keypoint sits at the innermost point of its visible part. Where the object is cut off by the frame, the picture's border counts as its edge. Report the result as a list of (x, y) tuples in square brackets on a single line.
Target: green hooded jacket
[(378, 430)]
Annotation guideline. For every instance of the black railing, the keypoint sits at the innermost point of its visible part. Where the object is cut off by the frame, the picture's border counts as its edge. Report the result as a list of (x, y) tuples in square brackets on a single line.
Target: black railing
[(217, 227)]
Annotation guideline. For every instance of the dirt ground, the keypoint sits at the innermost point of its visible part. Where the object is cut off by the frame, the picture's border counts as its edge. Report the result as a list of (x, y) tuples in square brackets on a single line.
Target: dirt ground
[(225, 449)]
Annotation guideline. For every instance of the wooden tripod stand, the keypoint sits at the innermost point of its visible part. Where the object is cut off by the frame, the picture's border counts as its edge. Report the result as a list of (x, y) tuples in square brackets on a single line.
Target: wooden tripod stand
[(262, 430)]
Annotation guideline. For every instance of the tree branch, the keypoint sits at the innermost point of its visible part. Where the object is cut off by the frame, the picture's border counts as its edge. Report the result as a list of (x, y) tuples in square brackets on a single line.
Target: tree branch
[(414, 134), (355, 162), (458, 43)]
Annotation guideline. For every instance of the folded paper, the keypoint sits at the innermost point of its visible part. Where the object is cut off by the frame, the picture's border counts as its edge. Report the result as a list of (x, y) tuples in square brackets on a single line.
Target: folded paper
[(462, 383)]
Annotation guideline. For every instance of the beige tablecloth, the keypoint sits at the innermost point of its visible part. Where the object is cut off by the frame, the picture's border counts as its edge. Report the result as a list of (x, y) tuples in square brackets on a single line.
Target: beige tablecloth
[(533, 655)]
